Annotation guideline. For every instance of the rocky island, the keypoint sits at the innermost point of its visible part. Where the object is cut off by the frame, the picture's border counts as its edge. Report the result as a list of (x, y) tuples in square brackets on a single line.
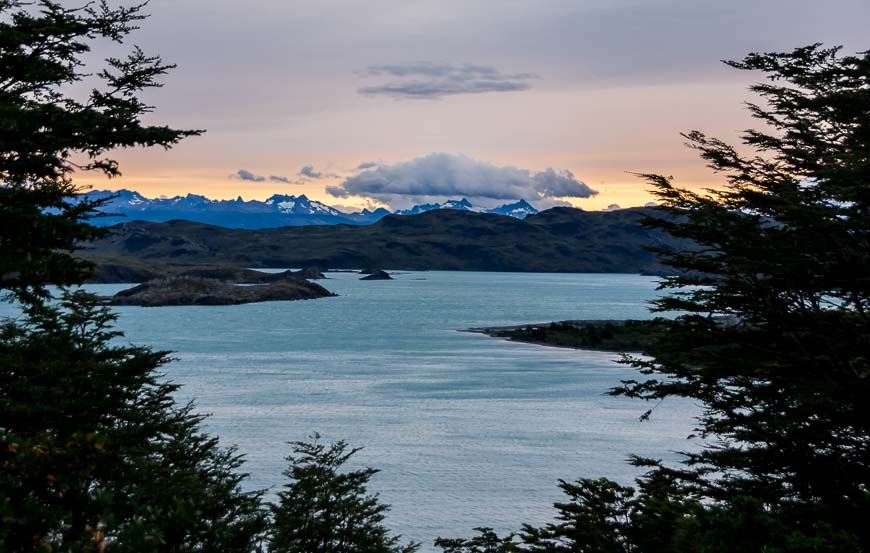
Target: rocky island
[(376, 275), (197, 290)]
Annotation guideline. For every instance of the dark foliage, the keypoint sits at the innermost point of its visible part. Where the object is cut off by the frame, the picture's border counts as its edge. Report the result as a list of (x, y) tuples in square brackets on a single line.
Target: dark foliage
[(325, 510), (771, 341), (486, 541), (601, 516), (618, 336), (94, 453), (784, 256), (47, 132), (94, 450)]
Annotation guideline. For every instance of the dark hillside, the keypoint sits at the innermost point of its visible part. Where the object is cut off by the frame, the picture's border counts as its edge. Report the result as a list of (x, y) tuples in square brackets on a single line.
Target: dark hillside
[(556, 240)]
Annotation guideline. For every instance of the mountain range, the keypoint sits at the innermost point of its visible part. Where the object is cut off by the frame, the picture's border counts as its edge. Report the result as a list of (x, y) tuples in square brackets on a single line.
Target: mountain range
[(277, 211), (519, 210), (556, 240)]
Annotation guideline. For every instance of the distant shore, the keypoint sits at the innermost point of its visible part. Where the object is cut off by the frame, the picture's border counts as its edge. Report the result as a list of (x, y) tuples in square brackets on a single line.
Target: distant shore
[(619, 336)]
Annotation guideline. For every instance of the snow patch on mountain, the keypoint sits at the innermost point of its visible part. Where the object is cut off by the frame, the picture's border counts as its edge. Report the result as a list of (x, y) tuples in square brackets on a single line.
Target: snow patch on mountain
[(278, 210)]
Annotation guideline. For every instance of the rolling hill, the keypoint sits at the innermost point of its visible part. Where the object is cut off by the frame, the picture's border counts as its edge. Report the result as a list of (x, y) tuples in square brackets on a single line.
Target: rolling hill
[(555, 240)]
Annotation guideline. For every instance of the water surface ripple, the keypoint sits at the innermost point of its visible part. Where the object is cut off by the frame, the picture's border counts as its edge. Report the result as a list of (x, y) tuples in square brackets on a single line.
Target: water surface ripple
[(467, 430)]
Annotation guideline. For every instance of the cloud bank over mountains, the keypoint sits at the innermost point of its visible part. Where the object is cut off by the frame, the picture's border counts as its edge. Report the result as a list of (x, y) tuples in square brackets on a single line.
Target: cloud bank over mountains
[(437, 177), (433, 81), (454, 176)]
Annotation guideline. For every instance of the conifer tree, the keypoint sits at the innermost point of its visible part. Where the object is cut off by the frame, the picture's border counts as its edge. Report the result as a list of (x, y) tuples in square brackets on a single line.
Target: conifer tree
[(94, 453), (49, 130), (486, 541), (326, 510), (771, 339), (775, 337)]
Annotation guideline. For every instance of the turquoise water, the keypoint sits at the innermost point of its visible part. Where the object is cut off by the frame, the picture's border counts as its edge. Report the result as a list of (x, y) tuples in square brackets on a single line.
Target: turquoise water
[(467, 430)]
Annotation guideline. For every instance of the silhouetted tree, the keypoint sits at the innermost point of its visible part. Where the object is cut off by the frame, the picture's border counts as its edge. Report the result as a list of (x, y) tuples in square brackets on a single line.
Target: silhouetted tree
[(94, 449), (325, 510), (48, 130), (486, 541), (94, 453), (771, 341), (775, 340), (601, 516)]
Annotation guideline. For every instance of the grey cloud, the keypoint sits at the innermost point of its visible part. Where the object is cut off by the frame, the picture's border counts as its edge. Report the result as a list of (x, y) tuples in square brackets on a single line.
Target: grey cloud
[(244, 174), (561, 184), (577, 45), (613, 207), (308, 171), (467, 71), (337, 191), (366, 165), (275, 178), (442, 80), (448, 175), (433, 90)]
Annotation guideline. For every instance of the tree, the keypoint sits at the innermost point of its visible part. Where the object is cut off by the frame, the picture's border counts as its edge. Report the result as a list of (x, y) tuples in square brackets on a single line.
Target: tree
[(593, 519), (94, 452), (771, 339), (323, 510), (47, 131), (775, 337), (486, 541), (94, 449), (601, 516)]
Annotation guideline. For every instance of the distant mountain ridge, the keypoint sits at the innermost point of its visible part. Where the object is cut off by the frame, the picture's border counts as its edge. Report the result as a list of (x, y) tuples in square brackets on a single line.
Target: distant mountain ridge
[(277, 211), (556, 240), (461, 205), (518, 210)]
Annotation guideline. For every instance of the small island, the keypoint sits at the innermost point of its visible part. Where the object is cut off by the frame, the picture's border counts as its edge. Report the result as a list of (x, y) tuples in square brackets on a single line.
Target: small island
[(376, 275), (194, 290)]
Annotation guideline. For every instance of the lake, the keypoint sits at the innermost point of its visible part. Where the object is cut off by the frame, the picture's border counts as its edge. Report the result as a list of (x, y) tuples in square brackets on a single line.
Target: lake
[(467, 430)]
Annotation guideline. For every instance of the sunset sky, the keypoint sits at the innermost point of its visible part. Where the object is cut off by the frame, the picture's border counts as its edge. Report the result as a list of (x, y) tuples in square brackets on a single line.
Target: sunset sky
[(394, 102)]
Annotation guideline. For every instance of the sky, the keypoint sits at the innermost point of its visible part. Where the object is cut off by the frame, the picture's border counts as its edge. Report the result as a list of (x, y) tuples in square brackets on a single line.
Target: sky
[(363, 103)]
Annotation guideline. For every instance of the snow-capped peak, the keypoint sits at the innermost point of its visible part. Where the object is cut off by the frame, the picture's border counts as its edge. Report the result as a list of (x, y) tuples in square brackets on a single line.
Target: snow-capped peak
[(462, 204), (277, 210), (520, 209), (300, 205)]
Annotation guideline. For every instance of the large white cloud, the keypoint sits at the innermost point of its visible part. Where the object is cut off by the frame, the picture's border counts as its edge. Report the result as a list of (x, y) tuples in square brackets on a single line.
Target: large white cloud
[(449, 175)]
